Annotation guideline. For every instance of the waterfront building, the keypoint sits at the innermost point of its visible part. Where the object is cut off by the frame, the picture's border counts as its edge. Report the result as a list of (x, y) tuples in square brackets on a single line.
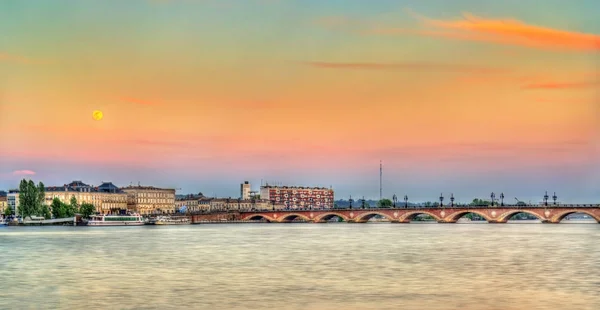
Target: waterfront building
[(3, 205), (12, 199), (150, 199), (245, 190), (232, 204), (191, 202), (106, 198), (296, 197)]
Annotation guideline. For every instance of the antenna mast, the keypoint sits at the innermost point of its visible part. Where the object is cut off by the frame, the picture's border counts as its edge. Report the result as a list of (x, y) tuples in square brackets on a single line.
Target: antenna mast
[(380, 180)]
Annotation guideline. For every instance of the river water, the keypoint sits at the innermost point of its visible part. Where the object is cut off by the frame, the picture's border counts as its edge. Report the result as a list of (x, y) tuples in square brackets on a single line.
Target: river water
[(302, 266)]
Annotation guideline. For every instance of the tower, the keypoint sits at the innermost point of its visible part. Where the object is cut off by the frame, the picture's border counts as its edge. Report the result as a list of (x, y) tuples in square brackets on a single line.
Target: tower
[(380, 180), (245, 190)]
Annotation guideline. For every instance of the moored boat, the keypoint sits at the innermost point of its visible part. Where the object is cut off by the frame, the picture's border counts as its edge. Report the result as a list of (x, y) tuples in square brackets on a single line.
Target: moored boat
[(167, 220), (116, 220)]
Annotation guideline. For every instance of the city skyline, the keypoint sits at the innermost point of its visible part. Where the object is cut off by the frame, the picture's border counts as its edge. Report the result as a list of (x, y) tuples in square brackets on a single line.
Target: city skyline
[(456, 97)]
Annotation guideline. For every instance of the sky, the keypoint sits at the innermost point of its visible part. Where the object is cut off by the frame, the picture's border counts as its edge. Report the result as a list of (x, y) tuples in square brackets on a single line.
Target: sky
[(465, 97)]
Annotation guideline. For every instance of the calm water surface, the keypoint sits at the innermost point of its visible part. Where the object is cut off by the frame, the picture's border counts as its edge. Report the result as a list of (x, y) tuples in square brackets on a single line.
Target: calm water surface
[(302, 266)]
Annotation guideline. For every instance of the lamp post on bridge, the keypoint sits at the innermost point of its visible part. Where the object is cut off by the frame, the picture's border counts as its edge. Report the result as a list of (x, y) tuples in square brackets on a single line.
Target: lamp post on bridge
[(351, 201), (441, 200), (395, 199), (546, 199), (554, 197), (406, 201), (452, 200), (493, 196), (362, 201), (502, 199)]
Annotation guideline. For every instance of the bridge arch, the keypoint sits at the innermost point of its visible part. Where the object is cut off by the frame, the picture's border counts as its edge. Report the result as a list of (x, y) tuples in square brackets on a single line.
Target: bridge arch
[(258, 217), (292, 216), (457, 215), (366, 216), (328, 216), (507, 215), (559, 217), (408, 216)]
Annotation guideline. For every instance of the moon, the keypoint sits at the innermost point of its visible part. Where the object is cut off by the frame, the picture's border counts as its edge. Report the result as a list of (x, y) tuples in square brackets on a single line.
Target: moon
[(97, 115)]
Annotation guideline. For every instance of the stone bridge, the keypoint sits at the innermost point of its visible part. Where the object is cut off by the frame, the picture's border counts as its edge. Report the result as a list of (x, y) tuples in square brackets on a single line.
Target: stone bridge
[(496, 214)]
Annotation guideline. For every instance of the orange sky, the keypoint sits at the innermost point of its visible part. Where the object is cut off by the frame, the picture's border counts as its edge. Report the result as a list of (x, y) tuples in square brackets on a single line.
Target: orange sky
[(319, 96)]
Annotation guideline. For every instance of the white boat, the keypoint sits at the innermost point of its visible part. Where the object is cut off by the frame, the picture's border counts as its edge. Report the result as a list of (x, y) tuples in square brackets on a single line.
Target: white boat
[(167, 220), (116, 220)]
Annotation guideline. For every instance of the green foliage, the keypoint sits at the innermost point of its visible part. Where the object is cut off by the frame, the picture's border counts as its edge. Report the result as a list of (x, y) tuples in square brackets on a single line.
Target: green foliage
[(87, 209), (480, 202), (31, 198), (431, 204), (74, 204), (384, 203), (8, 211), (46, 212), (61, 209)]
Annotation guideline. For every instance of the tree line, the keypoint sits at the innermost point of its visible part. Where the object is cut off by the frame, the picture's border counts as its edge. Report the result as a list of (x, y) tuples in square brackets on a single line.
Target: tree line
[(32, 203)]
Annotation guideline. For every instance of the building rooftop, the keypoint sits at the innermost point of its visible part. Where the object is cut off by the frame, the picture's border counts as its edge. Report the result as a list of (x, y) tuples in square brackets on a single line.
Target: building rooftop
[(78, 186), (295, 187), (147, 188)]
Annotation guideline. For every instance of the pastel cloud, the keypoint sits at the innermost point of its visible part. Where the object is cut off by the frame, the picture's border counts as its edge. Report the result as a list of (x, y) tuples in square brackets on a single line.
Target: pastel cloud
[(406, 66), (137, 101), (23, 172), (474, 28), (510, 31), (18, 59), (563, 85)]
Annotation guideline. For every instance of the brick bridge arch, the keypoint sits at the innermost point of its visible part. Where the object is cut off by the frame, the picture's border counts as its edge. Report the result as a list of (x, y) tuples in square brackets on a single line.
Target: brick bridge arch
[(560, 216), (410, 215), (257, 217), (322, 218), (454, 217), (367, 215), (504, 217), (292, 216)]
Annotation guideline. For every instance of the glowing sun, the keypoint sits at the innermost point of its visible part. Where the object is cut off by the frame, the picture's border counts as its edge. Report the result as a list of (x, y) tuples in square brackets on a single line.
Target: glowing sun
[(97, 115)]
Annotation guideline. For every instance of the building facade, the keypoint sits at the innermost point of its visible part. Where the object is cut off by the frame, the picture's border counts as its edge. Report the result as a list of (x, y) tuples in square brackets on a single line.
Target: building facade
[(294, 197), (231, 204), (190, 202), (12, 200), (245, 190), (150, 200), (106, 198), (3, 205)]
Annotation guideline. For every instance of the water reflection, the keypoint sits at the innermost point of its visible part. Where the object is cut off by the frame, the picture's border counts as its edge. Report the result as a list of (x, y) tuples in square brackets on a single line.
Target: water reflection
[(302, 266)]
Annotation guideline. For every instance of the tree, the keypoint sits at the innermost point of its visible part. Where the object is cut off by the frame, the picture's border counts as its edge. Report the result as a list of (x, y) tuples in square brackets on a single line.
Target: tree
[(31, 198), (87, 209), (74, 205), (8, 212), (46, 212), (480, 202), (58, 208), (384, 203)]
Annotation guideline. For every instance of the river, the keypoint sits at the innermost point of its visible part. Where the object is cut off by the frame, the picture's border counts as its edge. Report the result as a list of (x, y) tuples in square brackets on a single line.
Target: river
[(302, 266)]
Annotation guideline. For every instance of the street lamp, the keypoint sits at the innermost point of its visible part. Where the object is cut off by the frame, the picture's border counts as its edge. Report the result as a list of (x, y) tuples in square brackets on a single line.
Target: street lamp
[(554, 197), (395, 199), (362, 201), (493, 196), (351, 201), (452, 200), (441, 200), (406, 201), (546, 199), (502, 199)]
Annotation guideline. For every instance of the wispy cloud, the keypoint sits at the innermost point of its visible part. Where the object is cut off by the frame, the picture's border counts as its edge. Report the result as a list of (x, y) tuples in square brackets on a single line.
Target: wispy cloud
[(137, 101), (18, 59), (406, 66), (510, 31), (563, 85), (474, 28), (23, 172)]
